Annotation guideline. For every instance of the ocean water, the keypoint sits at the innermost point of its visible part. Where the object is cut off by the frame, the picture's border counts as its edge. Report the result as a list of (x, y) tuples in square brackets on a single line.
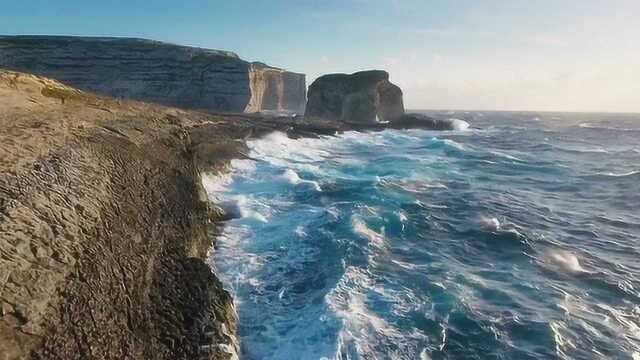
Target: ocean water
[(517, 238)]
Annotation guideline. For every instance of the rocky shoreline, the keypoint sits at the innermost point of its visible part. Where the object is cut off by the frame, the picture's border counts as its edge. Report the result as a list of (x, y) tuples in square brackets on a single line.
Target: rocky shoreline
[(105, 225)]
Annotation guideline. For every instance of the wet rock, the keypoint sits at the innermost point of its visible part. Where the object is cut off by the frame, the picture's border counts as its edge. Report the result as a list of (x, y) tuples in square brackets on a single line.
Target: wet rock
[(421, 121)]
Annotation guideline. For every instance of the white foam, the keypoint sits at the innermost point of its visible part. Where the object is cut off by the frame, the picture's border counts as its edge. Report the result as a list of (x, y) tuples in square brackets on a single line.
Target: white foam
[(454, 144), (243, 207), (459, 125), (360, 228), (293, 178), (278, 149), (565, 260), (412, 185), (612, 174), (489, 223), (362, 327), (402, 216), (214, 185), (599, 127), (506, 156), (562, 343), (299, 231), (405, 265), (424, 355)]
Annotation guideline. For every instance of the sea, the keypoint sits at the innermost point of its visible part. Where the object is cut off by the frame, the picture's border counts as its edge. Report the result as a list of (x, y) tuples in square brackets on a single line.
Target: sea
[(515, 236)]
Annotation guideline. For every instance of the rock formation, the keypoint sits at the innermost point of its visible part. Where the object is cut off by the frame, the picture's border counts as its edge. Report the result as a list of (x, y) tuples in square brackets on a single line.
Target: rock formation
[(104, 227), (182, 76), (421, 121), (365, 97), (276, 90)]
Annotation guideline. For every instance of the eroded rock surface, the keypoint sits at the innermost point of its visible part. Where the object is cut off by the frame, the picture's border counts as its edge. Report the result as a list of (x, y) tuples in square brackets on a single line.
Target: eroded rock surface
[(276, 90), (365, 97), (182, 76), (104, 228)]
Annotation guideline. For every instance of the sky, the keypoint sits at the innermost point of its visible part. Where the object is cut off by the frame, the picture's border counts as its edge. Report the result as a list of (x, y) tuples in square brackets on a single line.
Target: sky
[(540, 55)]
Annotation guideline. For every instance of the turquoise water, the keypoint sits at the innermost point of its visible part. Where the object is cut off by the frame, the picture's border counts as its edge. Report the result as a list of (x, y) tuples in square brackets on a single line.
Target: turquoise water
[(518, 238)]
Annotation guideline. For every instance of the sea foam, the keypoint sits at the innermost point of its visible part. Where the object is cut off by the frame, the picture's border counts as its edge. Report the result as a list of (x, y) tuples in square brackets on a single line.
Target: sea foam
[(459, 125)]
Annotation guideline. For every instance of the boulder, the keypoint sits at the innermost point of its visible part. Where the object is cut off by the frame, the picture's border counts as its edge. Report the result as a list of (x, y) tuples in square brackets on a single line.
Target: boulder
[(366, 97)]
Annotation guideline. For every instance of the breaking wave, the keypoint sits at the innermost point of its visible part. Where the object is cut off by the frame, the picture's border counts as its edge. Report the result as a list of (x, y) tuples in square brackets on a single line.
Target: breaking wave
[(424, 245)]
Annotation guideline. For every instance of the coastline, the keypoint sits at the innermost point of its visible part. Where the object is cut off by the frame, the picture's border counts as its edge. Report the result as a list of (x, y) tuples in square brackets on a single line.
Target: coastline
[(106, 228), (108, 225)]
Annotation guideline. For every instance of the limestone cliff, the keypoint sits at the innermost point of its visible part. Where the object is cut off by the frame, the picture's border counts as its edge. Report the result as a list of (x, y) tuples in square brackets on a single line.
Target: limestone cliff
[(182, 76), (276, 90), (365, 97), (103, 227)]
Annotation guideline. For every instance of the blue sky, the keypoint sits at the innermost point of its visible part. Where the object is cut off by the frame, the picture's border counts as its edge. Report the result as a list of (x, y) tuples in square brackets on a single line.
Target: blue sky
[(570, 55)]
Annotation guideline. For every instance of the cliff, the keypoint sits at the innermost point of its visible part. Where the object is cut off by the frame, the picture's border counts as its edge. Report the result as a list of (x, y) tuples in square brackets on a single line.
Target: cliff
[(104, 227), (276, 90), (365, 97), (182, 76)]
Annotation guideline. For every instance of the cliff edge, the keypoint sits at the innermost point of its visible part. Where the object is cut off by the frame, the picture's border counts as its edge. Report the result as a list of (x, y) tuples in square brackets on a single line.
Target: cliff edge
[(153, 71), (104, 227)]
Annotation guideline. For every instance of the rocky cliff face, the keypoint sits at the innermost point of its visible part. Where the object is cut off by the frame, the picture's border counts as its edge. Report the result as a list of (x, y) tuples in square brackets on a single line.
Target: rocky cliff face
[(276, 90), (182, 76), (103, 227), (364, 97)]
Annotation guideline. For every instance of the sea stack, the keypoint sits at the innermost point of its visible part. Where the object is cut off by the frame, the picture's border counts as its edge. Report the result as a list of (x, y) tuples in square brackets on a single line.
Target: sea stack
[(154, 71), (366, 97)]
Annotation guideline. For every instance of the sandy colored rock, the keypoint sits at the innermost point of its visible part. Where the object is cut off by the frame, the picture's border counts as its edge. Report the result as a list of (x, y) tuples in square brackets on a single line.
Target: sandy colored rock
[(276, 90), (153, 71), (103, 229)]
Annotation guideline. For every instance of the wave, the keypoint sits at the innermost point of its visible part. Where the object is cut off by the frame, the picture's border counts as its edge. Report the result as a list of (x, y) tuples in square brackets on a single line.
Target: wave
[(413, 186), (459, 125), (300, 232), (214, 184), (360, 228), (280, 150), (630, 173), (241, 206), (293, 178), (437, 143), (563, 261), (386, 253), (582, 151), (612, 175), (489, 223), (363, 333), (506, 156), (601, 127)]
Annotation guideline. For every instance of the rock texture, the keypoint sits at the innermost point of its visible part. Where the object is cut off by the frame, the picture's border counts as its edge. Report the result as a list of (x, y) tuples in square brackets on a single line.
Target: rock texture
[(276, 90), (104, 227), (365, 97), (182, 76)]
